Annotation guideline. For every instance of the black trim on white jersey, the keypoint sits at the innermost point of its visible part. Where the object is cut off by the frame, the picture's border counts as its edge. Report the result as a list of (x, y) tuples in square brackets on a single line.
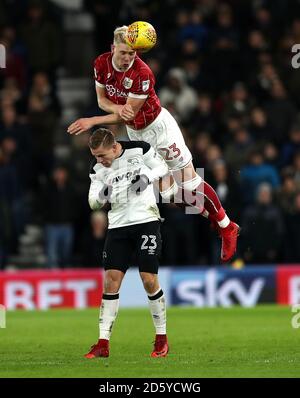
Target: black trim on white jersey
[(92, 164), (135, 144)]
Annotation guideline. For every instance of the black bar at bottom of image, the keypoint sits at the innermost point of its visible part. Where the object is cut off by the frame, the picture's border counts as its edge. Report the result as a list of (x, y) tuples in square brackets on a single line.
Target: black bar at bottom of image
[(133, 387)]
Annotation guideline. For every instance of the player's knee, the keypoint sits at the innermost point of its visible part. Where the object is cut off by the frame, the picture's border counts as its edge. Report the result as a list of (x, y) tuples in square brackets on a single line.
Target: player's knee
[(169, 194), (149, 282), (111, 283), (192, 184)]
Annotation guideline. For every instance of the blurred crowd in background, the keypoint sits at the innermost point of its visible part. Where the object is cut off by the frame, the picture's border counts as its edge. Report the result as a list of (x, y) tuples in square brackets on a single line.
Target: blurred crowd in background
[(223, 69)]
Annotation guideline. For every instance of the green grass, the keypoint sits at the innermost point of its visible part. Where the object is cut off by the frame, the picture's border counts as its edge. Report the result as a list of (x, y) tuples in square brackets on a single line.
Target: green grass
[(234, 342)]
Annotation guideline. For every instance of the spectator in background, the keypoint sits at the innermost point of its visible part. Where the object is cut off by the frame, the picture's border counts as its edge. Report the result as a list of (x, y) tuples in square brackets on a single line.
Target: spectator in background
[(264, 23), (224, 58), (264, 80), (59, 209), (240, 103), (226, 185), (238, 150), (15, 65), (260, 128), (256, 44), (102, 12), (281, 112), (11, 129), (11, 200), (201, 144), (180, 240), (42, 39), (296, 167), (194, 29), (287, 191), (271, 154), (263, 229), (43, 113), (7, 183), (11, 95), (290, 147), (203, 116), (179, 93), (93, 240), (255, 173)]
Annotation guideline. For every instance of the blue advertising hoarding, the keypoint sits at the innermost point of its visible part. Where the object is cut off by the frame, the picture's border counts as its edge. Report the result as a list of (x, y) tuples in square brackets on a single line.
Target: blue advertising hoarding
[(212, 287)]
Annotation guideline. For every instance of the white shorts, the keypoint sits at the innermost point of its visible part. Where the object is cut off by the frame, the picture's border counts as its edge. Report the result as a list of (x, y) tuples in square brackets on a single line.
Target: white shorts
[(165, 136)]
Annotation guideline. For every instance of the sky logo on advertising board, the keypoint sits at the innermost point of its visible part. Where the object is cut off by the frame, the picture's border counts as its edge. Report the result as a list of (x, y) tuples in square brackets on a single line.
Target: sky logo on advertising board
[(213, 288)]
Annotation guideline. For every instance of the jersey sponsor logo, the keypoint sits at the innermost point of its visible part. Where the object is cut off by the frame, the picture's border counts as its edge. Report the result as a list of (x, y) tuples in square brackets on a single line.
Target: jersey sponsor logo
[(126, 176), (145, 85), (133, 161), (111, 91), (127, 83)]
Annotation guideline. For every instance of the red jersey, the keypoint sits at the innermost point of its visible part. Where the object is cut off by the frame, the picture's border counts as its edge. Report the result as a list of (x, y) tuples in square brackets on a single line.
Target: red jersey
[(137, 82)]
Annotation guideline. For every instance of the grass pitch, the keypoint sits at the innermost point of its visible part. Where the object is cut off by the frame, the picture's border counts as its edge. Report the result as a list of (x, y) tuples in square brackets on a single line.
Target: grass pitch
[(218, 342)]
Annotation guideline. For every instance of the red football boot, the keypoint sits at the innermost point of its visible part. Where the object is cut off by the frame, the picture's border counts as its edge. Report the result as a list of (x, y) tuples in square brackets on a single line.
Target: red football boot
[(229, 237), (161, 347), (101, 349)]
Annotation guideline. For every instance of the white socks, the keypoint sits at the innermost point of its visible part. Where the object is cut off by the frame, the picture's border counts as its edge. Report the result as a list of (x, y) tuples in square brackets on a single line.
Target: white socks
[(109, 310), (225, 222), (157, 306), (108, 313)]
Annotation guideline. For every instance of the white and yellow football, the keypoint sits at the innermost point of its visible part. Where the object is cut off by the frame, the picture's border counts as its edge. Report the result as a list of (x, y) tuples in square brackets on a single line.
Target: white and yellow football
[(141, 36)]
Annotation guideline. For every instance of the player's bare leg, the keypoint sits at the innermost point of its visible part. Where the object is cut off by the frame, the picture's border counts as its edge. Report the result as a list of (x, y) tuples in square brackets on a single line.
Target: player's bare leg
[(157, 306), (108, 313)]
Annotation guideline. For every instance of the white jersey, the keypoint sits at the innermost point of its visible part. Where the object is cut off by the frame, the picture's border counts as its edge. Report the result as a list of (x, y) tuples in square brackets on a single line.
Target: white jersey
[(127, 207)]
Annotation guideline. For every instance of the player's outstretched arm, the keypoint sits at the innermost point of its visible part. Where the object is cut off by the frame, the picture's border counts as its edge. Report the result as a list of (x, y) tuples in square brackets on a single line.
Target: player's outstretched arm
[(85, 124)]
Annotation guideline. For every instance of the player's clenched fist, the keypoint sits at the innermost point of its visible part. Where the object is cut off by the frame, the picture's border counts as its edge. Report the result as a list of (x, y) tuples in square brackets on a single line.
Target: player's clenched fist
[(126, 112), (80, 126)]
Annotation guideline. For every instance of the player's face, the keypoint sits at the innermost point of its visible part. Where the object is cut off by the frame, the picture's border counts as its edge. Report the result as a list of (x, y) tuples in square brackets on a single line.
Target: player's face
[(123, 55), (105, 156)]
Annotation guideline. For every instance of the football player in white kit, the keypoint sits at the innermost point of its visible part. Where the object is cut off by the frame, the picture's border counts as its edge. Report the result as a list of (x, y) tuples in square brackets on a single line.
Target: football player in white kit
[(122, 174)]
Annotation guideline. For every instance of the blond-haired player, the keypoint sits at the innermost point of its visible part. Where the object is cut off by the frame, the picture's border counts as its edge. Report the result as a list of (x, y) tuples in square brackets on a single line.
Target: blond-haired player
[(125, 90)]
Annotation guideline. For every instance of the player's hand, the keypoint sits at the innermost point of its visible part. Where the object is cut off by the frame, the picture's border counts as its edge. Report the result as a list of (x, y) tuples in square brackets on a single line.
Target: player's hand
[(139, 183), (126, 112), (80, 126)]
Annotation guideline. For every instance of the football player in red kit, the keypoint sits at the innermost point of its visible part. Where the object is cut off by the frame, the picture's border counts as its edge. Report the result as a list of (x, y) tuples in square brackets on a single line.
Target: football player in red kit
[(125, 90)]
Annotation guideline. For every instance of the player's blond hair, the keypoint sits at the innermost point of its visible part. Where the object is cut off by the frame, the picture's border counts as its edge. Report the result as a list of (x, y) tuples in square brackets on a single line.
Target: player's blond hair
[(119, 34)]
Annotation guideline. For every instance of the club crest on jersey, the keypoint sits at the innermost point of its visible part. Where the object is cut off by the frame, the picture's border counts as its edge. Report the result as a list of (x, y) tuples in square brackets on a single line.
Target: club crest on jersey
[(145, 85), (108, 75), (133, 161), (127, 83)]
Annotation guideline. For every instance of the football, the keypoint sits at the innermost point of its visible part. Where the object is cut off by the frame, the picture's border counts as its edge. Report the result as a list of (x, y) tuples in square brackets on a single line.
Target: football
[(141, 36)]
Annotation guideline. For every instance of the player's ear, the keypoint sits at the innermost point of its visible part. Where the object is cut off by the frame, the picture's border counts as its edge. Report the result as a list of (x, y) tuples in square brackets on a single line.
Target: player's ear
[(112, 47)]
